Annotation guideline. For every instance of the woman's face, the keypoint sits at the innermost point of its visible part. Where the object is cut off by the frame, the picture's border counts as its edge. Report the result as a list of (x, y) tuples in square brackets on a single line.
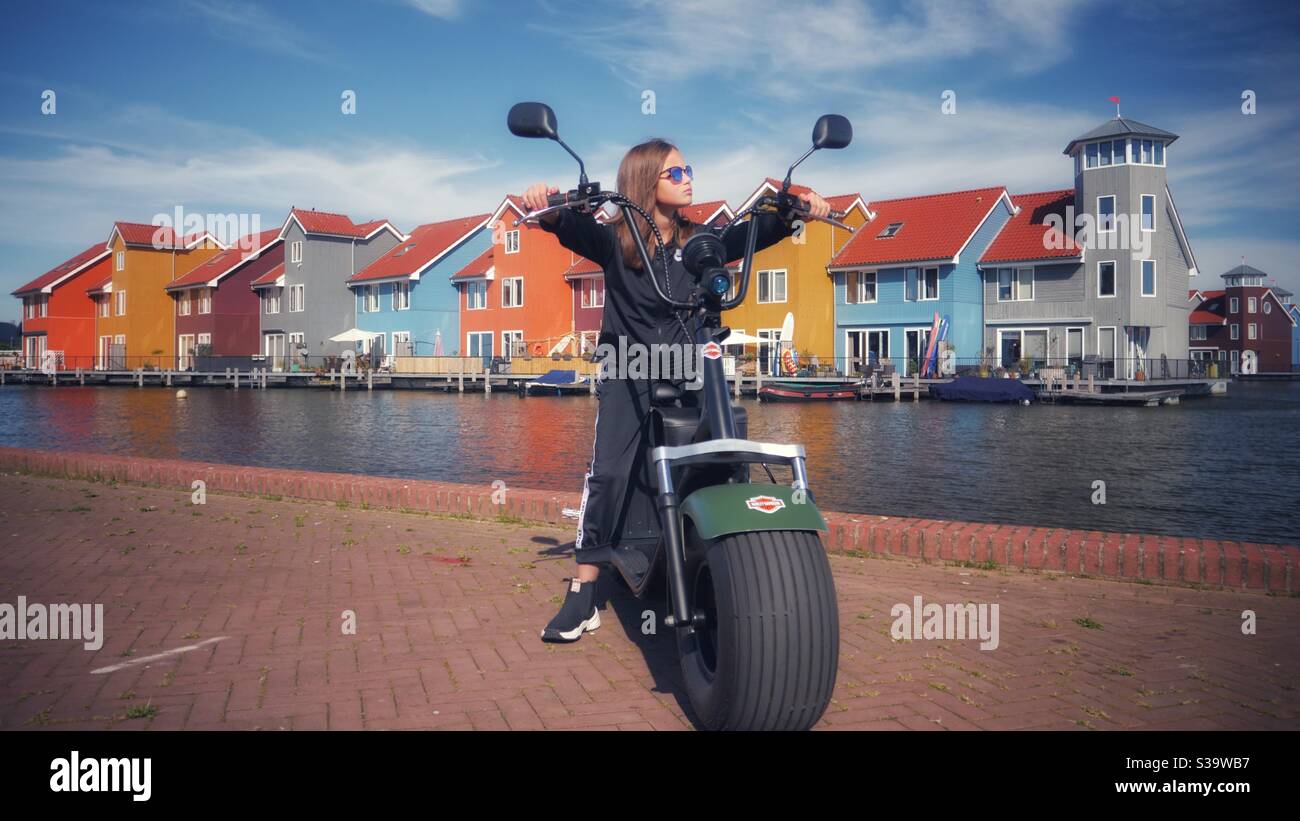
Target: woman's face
[(669, 193)]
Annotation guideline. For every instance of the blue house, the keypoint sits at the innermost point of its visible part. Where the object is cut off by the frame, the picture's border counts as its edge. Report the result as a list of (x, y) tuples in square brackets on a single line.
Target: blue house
[(408, 310), (917, 256)]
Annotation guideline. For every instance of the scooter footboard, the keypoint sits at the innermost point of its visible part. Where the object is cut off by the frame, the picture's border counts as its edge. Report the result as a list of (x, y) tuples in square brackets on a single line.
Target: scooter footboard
[(718, 510)]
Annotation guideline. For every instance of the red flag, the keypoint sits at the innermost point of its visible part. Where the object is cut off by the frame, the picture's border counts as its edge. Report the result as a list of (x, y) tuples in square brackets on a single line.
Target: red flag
[(1114, 99)]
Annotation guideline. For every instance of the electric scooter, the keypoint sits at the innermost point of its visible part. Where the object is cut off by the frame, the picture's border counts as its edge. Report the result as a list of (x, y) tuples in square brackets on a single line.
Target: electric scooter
[(750, 593)]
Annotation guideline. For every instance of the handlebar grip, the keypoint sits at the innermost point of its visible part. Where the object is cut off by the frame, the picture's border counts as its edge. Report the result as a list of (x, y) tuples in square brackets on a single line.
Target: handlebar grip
[(556, 199)]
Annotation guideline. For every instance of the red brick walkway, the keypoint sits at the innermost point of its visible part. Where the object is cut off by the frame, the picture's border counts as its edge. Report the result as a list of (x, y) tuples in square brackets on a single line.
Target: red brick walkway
[(448, 611)]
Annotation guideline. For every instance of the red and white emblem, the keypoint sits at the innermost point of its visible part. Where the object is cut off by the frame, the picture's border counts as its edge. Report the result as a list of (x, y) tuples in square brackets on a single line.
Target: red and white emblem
[(712, 350), (765, 504)]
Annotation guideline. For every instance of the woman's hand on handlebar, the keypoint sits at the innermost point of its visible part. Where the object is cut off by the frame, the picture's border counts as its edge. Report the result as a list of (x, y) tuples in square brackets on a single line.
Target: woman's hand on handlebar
[(535, 199), (817, 207)]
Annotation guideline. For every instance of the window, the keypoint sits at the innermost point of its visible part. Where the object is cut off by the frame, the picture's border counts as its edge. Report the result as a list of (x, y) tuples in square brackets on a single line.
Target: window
[(43, 305), (297, 297), (475, 296), (297, 340), (401, 296), (1234, 305), (512, 343), (859, 287), (370, 299), (205, 300), (1015, 284), (1106, 213), (1105, 279), (512, 241), (479, 343), (1250, 305), (1148, 277), (1236, 331), (1120, 156), (184, 303), (1198, 333), (1160, 152), (120, 298), (593, 292), (931, 284), (512, 292), (771, 286), (1104, 148), (909, 284), (890, 230), (103, 306), (119, 261), (1251, 332), (1073, 346), (205, 339), (295, 251), (1091, 151), (402, 343), (1148, 212), (1268, 307), (271, 300)]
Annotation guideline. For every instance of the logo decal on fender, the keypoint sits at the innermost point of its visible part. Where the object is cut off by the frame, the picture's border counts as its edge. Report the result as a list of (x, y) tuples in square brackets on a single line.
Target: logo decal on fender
[(712, 350), (764, 504)]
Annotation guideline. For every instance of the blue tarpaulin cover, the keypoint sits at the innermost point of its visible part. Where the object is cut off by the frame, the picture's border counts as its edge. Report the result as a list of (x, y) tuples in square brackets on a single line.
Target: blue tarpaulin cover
[(557, 377), (976, 389)]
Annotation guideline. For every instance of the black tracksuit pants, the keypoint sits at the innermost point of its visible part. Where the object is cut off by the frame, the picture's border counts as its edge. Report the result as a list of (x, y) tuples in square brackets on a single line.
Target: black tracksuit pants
[(609, 514)]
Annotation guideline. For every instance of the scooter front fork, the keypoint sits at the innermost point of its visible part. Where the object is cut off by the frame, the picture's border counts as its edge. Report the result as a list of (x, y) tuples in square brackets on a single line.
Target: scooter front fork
[(674, 543)]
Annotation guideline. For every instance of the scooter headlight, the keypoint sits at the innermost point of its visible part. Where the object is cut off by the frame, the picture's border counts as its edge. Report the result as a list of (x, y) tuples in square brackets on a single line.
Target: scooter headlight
[(720, 283)]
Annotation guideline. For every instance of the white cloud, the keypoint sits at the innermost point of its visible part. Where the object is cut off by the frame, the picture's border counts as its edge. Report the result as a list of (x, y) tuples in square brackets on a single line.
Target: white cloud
[(252, 25), (442, 9), (794, 46)]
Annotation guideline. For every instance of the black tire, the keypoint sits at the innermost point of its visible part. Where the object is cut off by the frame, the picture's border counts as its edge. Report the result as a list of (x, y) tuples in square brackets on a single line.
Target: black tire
[(768, 655)]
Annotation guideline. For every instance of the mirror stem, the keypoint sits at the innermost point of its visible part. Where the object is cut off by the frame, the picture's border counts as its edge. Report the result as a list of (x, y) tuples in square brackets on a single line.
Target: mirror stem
[(582, 169), (785, 186)]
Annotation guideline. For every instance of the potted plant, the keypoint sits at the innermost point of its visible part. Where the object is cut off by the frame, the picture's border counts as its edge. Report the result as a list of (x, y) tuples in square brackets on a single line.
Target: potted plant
[(1025, 365)]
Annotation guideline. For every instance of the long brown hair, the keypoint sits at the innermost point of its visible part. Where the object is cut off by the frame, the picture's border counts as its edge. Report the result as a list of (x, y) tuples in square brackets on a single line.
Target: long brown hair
[(638, 180)]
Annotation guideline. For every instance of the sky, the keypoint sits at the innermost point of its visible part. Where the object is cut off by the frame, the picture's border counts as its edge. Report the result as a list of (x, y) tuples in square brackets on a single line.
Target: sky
[(238, 106)]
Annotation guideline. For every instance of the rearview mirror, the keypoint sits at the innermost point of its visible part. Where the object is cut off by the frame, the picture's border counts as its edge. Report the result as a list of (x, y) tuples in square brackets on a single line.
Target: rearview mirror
[(831, 131), (533, 120)]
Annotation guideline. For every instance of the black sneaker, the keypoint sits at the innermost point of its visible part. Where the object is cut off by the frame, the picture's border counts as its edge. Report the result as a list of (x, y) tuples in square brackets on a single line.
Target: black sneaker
[(577, 615)]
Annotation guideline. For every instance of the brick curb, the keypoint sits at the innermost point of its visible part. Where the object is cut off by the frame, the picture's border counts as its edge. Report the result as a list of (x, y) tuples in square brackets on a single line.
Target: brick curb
[(1127, 556)]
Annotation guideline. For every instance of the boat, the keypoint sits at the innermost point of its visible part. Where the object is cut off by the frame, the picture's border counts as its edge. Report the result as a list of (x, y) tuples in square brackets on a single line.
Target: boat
[(807, 391), (981, 389), (558, 383)]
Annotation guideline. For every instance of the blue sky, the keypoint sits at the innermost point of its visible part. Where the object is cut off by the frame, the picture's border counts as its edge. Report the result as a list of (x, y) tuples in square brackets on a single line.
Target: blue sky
[(234, 106)]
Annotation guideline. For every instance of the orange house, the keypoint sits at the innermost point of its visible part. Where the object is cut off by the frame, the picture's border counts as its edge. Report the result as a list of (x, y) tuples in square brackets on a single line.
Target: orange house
[(790, 277), (514, 298), (58, 314), (136, 317)]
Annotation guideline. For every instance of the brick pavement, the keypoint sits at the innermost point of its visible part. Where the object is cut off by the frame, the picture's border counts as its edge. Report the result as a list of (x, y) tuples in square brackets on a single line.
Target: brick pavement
[(448, 612)]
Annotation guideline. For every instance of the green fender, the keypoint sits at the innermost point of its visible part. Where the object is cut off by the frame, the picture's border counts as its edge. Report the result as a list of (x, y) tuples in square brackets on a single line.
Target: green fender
[(717, 510)]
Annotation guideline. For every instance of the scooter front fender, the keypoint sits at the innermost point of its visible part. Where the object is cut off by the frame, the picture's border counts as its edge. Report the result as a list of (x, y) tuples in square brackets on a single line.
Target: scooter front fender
[(718, 510)]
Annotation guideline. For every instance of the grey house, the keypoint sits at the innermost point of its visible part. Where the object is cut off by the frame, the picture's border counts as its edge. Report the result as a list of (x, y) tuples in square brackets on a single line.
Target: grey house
[(306, 301), (1100, 269)]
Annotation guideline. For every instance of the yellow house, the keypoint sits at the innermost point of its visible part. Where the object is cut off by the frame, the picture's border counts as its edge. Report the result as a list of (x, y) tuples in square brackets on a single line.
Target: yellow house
[(133, 308), (791, 277)]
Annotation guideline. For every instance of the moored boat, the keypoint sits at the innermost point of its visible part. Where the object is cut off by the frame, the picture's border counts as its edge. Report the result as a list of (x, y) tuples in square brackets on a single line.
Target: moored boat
[(807, 391)]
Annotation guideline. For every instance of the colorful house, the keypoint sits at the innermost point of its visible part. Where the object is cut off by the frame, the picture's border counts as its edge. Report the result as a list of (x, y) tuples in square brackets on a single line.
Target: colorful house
[(136, 324), (1246, 315), (916, 257), (791, 277), (1032, 282), (404, 298), (514, 299), (58, 314), (217, 310), (308, 301)]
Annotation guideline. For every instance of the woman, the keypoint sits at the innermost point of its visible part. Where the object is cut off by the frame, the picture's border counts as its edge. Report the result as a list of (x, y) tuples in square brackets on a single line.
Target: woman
[(655, 176)]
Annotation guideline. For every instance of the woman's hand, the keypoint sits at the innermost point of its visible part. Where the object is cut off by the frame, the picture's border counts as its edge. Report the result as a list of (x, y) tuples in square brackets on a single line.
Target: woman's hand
[(817, 207), (535, 196)]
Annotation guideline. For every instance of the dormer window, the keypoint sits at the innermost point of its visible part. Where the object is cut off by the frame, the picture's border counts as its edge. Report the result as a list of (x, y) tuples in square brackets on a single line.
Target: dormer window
[(890, 230), (512, 241)]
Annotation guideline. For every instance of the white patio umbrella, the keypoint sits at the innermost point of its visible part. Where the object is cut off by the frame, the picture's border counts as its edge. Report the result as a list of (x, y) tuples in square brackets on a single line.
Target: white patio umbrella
[(741, 338), (353, 335)]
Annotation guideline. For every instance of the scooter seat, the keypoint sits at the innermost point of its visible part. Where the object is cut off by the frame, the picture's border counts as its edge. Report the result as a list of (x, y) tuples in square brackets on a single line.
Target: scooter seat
[(664, 393)]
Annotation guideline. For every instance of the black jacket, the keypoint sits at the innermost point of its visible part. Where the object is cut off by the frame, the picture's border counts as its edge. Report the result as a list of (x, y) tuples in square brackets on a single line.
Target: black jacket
[(632, 306)]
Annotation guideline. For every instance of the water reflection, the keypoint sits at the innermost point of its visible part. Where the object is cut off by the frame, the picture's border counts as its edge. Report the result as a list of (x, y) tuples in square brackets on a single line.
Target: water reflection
[(1214, 468)]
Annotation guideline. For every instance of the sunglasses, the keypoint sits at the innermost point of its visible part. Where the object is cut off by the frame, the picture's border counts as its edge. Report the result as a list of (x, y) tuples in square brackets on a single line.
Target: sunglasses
[(675, 174)]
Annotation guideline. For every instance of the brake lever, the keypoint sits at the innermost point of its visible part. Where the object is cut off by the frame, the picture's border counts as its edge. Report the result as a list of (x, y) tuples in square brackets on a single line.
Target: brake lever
[(534, 216)]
